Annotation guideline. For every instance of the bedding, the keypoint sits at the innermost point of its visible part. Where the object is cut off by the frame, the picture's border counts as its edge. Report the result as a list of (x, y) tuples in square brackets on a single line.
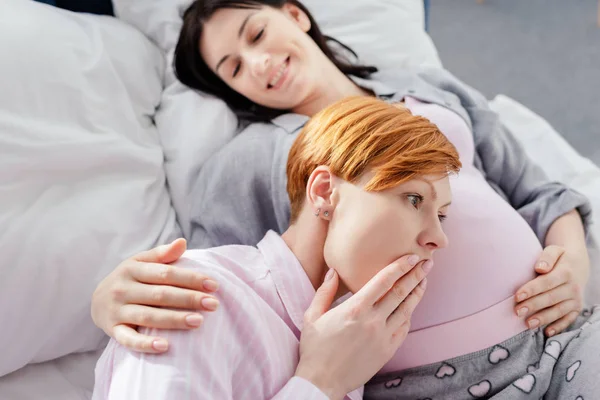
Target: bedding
[(67, 378), (82, 185)]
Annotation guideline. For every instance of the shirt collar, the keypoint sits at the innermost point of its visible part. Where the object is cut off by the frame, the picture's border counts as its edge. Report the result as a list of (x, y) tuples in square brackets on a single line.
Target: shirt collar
[(293, 286), (380, 89)]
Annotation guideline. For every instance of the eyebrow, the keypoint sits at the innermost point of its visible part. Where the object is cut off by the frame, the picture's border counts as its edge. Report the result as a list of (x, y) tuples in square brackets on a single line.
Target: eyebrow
[(244, 24), (242, 27)]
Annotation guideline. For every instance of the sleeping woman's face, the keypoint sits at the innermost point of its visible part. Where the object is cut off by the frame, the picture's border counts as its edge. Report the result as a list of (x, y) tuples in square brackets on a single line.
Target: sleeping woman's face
[(369, 230), (264, 54)]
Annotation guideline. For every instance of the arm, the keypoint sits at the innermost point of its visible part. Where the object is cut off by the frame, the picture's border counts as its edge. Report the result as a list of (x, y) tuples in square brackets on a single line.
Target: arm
[(568, 232)]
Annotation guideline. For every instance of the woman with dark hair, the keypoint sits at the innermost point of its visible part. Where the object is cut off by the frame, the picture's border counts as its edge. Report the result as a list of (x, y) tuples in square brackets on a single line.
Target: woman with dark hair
[(517, 265)]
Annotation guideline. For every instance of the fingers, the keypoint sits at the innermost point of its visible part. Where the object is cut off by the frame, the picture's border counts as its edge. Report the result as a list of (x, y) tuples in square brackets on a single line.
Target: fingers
[(324, 297), (552, 314), (405, 310), (544, 283), (164, 254), (544, 300), (160, 274), (168, 296), (548, 259), (402, 288), (562, 324), (384, 280), (130, 338), (133, 314)]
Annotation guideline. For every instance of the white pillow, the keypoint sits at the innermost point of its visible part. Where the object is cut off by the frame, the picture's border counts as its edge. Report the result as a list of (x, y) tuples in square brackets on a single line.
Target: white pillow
[(387, 33), (192, 126), (562, 163), (81, 180)]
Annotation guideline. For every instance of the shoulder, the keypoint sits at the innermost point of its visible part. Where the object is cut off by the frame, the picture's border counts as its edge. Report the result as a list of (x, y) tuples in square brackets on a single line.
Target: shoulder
[(232, 265), (256, 147)]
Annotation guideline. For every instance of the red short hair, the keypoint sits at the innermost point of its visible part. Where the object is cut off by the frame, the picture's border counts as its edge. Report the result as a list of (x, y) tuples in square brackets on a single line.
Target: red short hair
[(360, 133)]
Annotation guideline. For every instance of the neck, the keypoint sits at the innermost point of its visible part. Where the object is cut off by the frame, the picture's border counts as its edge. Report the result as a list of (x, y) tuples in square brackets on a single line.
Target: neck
[(337, 87), (307, 244)]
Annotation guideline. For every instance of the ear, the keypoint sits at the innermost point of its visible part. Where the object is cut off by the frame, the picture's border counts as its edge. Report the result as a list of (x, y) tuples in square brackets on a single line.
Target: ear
[(321, 192), (297, 15)]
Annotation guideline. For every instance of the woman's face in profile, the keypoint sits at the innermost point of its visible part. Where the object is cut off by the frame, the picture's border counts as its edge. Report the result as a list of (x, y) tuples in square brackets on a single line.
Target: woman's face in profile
[(369, 230), (263, 54)]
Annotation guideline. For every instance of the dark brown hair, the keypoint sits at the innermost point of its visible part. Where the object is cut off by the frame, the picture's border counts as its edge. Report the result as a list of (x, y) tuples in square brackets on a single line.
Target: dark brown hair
[(192, 70)]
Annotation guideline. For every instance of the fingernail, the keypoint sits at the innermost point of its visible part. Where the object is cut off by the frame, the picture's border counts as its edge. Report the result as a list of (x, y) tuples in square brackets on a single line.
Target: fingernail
[(551, 332), (543, 265), (413, 260), (194, 320), (428, 266), (522, 311), (423, 283), (522, 296), (160, 345), (533, 323), (210, 285), (329, 274), (210, 304)]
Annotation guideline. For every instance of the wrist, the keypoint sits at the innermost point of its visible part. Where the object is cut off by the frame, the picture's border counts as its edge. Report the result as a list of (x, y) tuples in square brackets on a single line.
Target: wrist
[(321, 381)]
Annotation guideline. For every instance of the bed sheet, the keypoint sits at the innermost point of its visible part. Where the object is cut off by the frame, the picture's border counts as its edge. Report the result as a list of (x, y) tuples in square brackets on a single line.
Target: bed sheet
[(67, 378)]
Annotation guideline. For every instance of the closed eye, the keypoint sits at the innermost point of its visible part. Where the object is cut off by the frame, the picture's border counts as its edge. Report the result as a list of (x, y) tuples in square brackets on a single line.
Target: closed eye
[(442, 217), (258, 36), (237, 69)]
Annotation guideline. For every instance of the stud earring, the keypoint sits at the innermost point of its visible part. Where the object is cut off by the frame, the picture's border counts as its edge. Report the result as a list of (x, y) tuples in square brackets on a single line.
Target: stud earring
[(318, 212), (326, 213)]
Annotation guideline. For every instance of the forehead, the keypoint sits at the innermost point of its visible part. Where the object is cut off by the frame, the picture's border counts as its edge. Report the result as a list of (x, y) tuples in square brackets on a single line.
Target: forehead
[(425, 184), (436, 185), (220, 32)]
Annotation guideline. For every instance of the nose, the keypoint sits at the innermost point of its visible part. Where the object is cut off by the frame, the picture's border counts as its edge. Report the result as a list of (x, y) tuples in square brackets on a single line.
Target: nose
[(433, 237), (259, 63)]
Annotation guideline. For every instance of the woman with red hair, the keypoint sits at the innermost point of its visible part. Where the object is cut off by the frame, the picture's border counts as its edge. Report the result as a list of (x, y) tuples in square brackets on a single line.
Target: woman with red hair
[(360, 166)]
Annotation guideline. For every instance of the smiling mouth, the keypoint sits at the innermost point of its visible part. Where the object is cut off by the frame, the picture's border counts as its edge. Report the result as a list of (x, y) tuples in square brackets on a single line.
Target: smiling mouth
[(279, 75)]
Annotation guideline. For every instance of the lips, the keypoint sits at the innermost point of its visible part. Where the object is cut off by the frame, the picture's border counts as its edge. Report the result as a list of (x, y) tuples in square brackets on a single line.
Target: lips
[(279, 75)]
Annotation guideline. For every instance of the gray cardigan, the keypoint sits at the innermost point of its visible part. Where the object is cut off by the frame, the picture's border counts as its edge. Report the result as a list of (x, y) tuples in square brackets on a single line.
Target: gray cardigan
[(240, 192)]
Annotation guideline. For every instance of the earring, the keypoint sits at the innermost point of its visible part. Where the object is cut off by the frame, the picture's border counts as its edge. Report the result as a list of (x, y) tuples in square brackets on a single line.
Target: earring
[(326, 214), (318, 212)]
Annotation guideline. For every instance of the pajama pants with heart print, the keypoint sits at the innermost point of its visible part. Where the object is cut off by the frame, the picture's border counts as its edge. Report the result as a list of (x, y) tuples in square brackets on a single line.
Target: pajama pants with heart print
[(527, 366)]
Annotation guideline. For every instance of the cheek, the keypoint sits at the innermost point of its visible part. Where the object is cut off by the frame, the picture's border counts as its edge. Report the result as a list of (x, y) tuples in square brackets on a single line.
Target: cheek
[(361, 244)]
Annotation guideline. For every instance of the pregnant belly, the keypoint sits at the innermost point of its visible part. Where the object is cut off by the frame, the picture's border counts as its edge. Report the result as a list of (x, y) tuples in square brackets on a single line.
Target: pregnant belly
[(492, 252)]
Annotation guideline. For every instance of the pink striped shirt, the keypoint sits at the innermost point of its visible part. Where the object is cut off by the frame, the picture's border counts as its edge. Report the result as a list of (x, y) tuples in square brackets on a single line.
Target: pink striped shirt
[(248, 349)]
